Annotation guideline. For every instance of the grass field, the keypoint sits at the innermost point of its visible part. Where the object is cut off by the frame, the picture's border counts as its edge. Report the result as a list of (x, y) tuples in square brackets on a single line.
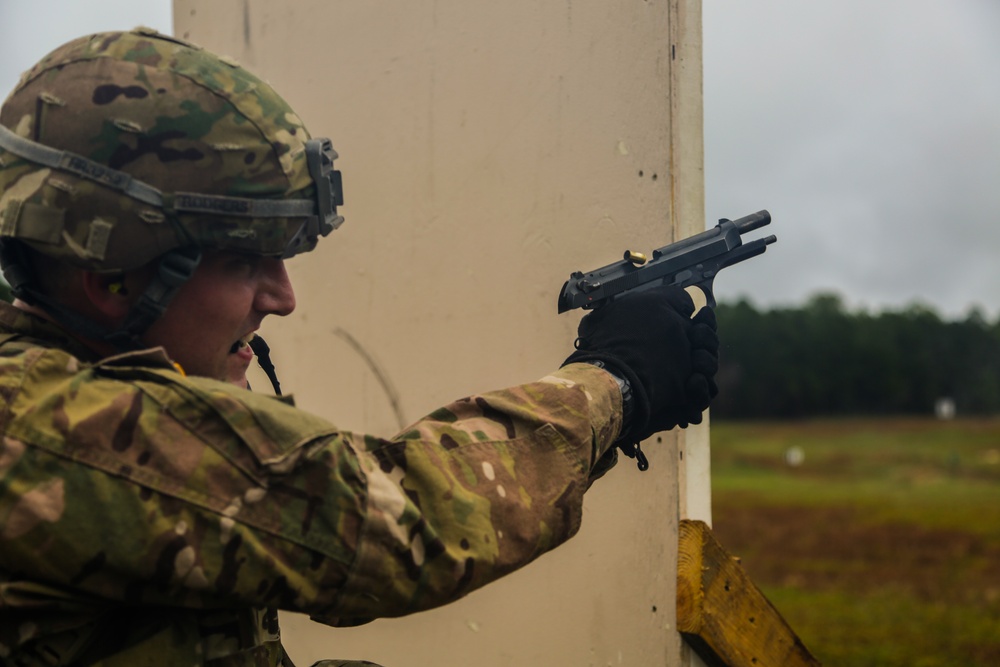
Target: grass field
[(881, 547)]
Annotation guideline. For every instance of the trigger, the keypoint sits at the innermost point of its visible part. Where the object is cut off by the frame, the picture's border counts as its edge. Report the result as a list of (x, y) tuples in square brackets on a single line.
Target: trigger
[(702, 296)]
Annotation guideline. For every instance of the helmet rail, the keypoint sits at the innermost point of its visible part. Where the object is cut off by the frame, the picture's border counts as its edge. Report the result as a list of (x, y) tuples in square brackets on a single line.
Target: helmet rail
[(319, 154)]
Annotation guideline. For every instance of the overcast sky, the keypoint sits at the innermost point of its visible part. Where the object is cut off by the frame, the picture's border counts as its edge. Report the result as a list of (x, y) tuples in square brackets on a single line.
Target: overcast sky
[(870, 130)]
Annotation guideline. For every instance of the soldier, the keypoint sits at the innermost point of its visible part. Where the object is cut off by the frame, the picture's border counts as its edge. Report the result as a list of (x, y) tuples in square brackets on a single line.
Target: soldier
[(152, 509)]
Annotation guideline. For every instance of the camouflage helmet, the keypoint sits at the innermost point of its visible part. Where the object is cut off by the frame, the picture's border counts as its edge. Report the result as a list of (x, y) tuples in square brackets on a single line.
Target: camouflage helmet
[(117, 148)]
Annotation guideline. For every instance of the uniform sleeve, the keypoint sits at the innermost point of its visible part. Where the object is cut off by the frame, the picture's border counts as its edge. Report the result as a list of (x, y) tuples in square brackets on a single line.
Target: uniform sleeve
[(477, 489), (142, 487)]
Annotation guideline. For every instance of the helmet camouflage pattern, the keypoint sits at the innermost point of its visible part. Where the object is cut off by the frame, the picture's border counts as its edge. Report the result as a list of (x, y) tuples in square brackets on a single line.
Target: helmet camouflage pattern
[(119, 147)]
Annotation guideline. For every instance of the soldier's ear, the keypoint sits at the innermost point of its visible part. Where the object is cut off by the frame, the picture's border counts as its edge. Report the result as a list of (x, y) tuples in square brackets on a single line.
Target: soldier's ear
[(108, 293)]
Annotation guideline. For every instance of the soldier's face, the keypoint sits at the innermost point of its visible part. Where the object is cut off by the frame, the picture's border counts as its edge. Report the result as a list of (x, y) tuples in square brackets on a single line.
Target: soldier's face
[(225, 300)]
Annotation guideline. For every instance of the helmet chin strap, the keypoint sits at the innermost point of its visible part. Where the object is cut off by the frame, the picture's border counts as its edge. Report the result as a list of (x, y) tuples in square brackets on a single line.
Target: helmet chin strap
[(174, 269)]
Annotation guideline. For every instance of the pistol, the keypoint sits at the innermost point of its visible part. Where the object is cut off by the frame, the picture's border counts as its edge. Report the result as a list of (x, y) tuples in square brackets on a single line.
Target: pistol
[(695, 260)]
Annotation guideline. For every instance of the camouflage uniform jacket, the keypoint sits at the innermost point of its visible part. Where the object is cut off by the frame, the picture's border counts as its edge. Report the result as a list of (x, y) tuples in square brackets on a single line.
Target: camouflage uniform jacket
[(145, 513)]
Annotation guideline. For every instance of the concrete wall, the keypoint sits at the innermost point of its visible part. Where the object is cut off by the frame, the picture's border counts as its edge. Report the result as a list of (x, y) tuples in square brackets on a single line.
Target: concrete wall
[(488, 149)]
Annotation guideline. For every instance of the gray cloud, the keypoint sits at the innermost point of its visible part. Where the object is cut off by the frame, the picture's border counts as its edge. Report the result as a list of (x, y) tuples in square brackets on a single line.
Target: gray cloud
[(871, 131)]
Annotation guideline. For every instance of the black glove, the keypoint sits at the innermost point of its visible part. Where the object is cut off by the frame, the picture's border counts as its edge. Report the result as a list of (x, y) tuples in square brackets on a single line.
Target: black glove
[(669, 358)]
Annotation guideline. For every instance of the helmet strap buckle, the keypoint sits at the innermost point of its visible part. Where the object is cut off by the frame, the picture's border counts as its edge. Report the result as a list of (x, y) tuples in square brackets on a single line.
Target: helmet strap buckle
[(175, 268)]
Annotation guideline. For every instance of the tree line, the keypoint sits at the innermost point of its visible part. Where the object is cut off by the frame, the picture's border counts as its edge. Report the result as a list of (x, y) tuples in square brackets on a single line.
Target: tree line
[(822, 360)]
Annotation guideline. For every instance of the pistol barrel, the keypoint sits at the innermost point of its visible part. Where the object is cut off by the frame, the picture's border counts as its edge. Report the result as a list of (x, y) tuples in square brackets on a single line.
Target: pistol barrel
[(752, 222)]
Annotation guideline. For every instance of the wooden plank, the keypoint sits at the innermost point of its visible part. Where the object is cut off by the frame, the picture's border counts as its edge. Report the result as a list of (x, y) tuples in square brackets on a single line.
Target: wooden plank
[(723, 615)]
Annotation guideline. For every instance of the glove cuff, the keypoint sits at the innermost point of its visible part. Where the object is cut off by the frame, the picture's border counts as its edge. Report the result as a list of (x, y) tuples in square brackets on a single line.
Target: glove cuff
[(635, 405), (624, 386)]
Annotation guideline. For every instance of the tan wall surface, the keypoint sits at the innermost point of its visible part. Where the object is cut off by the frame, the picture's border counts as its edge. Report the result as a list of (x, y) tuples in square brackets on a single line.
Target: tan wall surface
[(488, 149)]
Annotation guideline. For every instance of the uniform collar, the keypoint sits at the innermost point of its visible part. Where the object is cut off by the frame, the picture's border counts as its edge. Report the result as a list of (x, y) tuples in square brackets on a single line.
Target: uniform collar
[(46, 333)]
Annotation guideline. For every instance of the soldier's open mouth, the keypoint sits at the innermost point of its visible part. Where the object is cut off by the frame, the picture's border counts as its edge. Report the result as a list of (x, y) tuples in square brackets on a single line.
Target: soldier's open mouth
[(241, 343)]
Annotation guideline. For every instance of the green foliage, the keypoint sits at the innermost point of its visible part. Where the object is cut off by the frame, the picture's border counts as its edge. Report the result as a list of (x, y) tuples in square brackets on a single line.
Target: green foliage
[(820, 359)]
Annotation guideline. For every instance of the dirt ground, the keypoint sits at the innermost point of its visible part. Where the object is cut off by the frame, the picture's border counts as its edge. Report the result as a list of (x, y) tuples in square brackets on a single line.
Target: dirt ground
[(837, 550), (833, 548)]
